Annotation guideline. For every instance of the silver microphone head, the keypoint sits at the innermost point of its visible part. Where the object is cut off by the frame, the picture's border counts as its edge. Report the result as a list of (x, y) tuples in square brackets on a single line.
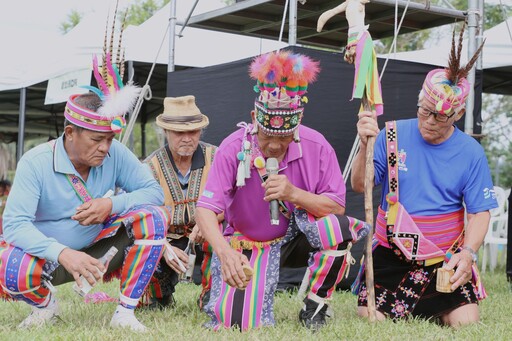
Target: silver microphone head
[(272, 165)]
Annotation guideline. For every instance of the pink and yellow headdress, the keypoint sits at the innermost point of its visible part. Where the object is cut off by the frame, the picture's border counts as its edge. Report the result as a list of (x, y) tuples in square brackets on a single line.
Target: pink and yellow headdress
[(117, 98), (282, 80), (448, 88)]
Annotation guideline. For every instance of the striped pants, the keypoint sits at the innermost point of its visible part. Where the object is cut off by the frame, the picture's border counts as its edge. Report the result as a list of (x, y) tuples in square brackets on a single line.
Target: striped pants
[(139, 236), (253, 307)]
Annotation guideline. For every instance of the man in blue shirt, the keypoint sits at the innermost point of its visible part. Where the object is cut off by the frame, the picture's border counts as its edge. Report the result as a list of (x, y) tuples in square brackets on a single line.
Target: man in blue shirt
[(61, 216), (432, 176)]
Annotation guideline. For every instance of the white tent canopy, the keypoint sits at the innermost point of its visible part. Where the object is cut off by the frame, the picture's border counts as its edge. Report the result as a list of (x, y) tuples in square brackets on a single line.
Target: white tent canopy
[(497, 50), (197, 47), (73, 51)]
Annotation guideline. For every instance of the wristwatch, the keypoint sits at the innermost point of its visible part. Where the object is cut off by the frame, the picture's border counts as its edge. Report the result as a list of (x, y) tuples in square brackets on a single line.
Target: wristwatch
[(473, 253)]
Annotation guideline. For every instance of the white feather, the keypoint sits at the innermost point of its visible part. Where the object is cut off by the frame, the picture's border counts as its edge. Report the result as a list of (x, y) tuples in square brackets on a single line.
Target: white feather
[(240, 174), (120, 102)]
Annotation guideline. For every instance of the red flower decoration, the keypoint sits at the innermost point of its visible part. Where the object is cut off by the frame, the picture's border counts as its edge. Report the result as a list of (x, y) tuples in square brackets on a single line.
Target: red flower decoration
[(276, 122)]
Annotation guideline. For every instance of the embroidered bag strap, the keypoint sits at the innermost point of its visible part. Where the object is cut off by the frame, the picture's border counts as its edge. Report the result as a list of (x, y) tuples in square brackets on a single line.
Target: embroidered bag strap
[(392, 196), (391, 154), (262, 172), (75, 182), (392, 157)]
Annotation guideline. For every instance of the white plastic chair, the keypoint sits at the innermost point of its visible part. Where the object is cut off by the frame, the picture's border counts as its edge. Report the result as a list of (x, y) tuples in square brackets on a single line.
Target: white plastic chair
[(497, 231), (496, 235)]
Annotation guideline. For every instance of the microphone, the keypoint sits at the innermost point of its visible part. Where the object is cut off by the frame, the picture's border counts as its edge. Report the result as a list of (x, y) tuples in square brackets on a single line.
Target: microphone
[(272, 167)]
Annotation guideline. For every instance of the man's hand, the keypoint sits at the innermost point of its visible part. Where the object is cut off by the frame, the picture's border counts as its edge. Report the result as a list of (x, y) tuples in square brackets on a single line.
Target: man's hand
[(196, 235), (461, 262), (367, 126), (172, 262), (231, 266), (92, 212), (79, 263), (278, 187)]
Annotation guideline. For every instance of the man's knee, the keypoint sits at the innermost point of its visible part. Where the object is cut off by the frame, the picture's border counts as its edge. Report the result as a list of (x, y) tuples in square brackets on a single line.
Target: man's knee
[(150, 224), (20, 281), (461, 316)]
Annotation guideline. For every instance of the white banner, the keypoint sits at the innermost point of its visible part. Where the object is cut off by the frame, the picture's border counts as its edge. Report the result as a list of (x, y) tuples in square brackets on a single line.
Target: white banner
[(60, 88)]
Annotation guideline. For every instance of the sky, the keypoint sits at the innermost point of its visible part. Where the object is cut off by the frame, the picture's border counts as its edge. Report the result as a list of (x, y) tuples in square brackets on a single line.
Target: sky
[(25, 18), (30, 31), (28, 19)]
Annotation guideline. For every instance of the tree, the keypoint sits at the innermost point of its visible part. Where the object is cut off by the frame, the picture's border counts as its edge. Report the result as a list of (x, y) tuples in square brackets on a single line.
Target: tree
[(497, 141), (138, 12), (493, 15), (142, 10), (74, 18)]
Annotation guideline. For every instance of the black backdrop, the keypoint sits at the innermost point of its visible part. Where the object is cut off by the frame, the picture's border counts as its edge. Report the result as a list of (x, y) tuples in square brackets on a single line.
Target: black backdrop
[(225, 94)]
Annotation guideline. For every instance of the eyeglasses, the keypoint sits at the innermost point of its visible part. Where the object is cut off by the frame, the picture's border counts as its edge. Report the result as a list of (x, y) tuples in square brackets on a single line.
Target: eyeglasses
[(424, 112)]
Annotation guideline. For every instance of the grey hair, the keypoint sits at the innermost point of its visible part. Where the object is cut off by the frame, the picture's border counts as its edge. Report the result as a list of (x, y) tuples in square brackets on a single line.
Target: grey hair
[(89, 101)]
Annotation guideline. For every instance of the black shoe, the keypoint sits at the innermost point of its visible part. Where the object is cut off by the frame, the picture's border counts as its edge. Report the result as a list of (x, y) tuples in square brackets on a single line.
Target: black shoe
[(310, 318), (167, 301)]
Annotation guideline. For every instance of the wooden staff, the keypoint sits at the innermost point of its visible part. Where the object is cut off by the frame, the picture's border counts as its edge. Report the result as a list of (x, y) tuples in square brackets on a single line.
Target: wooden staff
[(355, 13), (368, 210)]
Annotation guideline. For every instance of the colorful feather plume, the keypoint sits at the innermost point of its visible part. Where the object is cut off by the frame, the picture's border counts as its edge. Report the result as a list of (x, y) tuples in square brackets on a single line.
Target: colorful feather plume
[(283, 72), (455, 72), (117, 98), (283, 66)]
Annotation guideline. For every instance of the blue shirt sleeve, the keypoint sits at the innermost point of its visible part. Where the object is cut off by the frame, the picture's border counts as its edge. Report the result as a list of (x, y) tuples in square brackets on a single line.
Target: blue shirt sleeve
[(477, 190), (21, 209)]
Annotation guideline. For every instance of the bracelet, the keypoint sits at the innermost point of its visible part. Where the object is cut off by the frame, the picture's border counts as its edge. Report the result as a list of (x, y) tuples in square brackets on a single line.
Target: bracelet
[(473, 253)]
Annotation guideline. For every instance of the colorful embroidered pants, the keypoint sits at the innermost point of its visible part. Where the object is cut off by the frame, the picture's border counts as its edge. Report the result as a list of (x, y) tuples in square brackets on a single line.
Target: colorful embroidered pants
[(254, 306), (23, 277)]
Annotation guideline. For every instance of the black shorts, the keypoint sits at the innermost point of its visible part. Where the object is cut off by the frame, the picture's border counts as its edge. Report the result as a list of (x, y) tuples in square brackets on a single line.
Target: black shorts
[(404, 288)]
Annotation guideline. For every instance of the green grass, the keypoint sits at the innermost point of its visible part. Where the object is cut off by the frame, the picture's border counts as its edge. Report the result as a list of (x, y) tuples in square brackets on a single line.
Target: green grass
[(82, 321)]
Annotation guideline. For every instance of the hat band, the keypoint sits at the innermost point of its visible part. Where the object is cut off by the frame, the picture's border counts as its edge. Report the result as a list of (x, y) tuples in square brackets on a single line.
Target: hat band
[(84, 118), (182, 119), (278, 121)]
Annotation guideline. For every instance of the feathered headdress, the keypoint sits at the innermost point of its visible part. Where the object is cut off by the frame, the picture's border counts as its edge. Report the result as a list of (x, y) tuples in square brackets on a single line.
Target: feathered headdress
[(117, 98), (282, 80), (448, 88)]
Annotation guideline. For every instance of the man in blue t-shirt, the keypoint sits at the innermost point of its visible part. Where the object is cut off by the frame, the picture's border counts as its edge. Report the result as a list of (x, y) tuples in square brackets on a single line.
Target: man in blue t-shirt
[(435, 173)]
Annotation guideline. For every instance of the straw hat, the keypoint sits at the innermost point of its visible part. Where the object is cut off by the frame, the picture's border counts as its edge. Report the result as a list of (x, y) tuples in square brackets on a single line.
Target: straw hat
[(181, 114)]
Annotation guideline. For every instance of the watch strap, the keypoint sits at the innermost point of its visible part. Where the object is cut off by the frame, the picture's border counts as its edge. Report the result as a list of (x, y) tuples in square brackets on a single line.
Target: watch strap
[(473, 253)]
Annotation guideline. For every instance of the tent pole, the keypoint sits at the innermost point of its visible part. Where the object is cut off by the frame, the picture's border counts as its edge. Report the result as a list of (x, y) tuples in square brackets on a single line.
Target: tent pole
[(21, 124), (131, 74), (480, 33), (472, 27), (143, 121), (292, 30), (180, 34), (172, 36)]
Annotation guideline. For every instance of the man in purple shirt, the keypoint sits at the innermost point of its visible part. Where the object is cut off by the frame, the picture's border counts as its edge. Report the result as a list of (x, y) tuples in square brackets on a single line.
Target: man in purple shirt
[(309, 184)]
